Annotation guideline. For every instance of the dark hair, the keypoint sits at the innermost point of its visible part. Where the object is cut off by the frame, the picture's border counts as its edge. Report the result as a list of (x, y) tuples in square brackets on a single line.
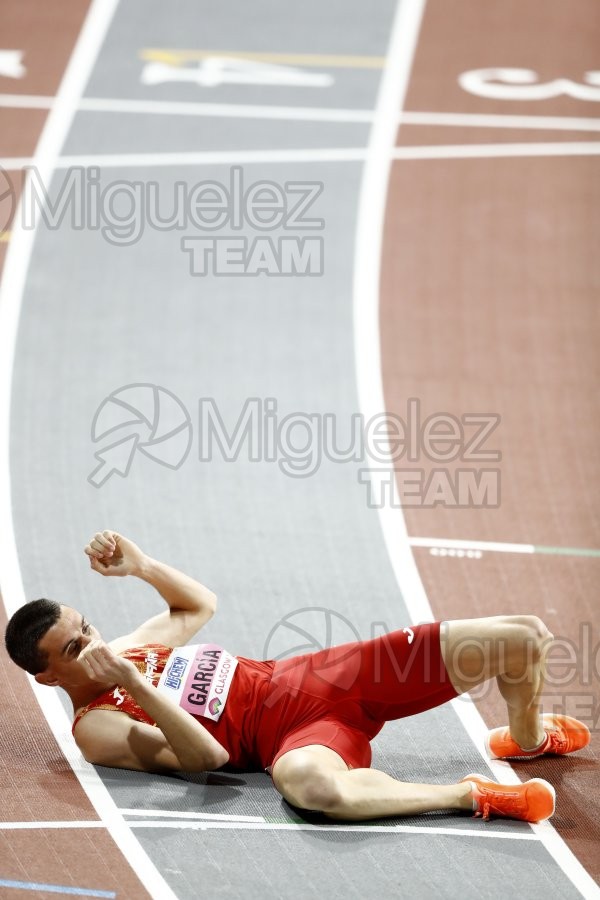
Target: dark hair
[(26, 629)]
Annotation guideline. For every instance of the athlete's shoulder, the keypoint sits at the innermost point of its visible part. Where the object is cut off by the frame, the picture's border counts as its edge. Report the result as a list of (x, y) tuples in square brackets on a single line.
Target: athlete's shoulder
[(96, 729)]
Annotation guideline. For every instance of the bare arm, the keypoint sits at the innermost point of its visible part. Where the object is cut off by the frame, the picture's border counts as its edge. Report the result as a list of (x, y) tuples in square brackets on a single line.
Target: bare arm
[(190, 603), (181, 743)]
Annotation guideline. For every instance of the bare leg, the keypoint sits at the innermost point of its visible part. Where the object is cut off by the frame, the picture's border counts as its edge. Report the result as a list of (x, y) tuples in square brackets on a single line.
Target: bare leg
[(317, 778), (510, 648)]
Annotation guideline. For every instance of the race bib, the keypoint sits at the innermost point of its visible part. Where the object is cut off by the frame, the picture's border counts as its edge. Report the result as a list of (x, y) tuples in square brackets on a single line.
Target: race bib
[(198, 678)]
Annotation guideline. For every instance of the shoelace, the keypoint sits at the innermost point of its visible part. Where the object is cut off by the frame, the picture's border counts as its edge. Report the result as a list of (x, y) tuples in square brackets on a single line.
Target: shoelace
[(558, 742), (509, 803)]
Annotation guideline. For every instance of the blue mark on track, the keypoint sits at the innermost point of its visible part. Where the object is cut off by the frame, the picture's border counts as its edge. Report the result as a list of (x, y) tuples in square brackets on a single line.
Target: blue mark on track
[(56, 889)]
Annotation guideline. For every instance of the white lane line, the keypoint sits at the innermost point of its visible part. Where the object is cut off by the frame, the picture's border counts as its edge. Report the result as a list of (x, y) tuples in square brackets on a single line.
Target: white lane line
[(226, 110), (305, 113), (196, 158), (195, 108), (26, 101), (174, 814), (477, 120), (338, 827), (453, 547), (216, 157), (317, 155), (367, 273), (56, 128), (490, 546), (240, 823), (480, 151)]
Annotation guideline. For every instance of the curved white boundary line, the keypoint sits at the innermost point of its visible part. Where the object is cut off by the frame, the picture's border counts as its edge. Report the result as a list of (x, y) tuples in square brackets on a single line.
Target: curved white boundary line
[(367, 275), (47, 152)]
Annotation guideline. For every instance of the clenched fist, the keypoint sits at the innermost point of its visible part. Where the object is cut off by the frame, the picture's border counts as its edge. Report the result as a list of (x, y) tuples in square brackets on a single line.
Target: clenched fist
[(103, 665), (112, 554)]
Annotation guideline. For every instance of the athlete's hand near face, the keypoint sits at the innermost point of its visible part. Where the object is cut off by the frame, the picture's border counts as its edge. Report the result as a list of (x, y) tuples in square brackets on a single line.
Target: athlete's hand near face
[(104, 665), (112, 554)]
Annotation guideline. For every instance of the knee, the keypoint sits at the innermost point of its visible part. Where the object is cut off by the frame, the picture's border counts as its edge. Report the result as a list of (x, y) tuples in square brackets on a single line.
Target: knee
[(532, 634), (321, 791), (309, 786)]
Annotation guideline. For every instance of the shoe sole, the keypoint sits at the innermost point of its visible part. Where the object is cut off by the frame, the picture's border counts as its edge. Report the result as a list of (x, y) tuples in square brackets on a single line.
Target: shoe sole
[(492, 755), (542, 781)]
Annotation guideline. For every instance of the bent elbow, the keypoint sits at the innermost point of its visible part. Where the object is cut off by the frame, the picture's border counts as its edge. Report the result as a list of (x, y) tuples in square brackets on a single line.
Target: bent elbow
[(212, 603), (221, 759), (206, 763), (206, 604)]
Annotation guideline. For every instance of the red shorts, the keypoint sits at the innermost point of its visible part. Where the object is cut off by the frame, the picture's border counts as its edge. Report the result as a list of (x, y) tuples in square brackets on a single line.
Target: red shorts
[(342, 696)]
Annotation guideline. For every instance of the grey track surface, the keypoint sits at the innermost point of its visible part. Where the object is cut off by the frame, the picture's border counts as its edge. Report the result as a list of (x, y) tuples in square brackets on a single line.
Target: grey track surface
[(97, 317)]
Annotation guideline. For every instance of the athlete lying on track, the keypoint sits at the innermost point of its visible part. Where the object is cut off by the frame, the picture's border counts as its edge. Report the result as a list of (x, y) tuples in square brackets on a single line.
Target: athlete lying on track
[(307, 720)]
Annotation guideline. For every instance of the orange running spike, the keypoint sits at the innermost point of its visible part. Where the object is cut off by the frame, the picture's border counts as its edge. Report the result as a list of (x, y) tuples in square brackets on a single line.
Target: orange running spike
[(563, 735), (532, 801)]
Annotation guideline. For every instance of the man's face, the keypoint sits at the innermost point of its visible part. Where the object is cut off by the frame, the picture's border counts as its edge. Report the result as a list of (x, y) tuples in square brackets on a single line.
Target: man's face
[(63, 643)]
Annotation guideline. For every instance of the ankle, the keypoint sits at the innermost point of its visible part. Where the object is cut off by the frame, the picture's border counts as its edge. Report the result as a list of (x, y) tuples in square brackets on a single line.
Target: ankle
[(529, 737), (530, 743), (465, 796)]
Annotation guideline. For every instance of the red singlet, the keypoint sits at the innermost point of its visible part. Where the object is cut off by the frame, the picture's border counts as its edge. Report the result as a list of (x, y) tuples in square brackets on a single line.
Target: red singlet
[(339, 697)]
